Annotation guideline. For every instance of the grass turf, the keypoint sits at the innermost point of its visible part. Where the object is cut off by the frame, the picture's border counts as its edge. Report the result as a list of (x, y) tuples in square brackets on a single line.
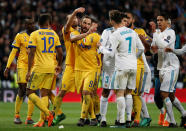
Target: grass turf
[(72, 111)]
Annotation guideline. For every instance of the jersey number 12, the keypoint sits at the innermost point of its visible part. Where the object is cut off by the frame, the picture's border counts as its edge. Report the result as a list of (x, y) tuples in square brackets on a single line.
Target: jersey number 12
[(50, 42)]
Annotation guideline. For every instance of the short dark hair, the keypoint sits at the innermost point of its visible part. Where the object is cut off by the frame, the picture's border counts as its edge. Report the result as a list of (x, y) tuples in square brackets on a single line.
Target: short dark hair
[(115, 15), (86, 16), (123, 15), (44, 18), (130, 12), (94, 20), (164, 15)]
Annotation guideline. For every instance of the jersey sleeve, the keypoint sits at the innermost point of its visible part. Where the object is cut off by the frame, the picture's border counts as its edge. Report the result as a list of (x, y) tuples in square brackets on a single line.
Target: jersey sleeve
[(17, 42), (114, 43), (32, 41), (58, 43), (168, 39), (104, 38), (180, 51)]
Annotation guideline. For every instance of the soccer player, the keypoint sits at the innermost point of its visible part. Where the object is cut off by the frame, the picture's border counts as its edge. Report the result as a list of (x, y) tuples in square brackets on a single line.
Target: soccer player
[(86, 67), (168, 64), (157, 97), (107, 71), (143, 71), (68, 80), (44, 44), (124, 43), (20, 45)]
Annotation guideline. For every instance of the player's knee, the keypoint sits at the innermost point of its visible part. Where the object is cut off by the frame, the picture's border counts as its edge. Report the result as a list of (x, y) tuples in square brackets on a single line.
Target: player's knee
[(105, 93), (85, 92), (62, 93), (172, 97), (128, 91), (22, 92), (45, 92), (29, 91), (164, 94)]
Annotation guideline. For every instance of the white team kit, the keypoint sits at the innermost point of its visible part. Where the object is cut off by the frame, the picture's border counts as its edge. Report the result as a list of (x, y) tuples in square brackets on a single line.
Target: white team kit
[(168, 63), (124, 42), (108, 62)]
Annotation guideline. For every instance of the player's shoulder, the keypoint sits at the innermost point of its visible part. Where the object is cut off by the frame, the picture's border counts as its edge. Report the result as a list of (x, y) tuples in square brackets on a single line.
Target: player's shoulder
[(170, 32), (138, 29), (123, 31), (107, 30), (95, 34), (21, 33)]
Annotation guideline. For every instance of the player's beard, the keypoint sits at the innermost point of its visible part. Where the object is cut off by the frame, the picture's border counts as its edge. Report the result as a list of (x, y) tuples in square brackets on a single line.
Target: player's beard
[(84, 29)]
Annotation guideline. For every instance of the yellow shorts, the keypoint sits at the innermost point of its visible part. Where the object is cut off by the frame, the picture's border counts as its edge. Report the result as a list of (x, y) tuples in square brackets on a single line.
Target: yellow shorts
[(68, 79), (40, 80), (86, 80), (21, 75), (139, 80)]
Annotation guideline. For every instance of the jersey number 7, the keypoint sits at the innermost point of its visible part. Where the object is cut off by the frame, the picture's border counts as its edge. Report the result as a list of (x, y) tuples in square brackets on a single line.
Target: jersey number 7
[(130, 43)]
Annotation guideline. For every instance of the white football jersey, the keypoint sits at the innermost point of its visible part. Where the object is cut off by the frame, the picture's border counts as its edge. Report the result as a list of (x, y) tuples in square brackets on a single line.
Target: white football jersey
[(166, 60), (108, 61), (180, 51), (124, 42)]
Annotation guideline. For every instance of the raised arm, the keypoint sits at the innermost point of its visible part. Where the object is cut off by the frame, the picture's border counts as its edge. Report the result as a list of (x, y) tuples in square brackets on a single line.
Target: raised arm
[(71, 17)]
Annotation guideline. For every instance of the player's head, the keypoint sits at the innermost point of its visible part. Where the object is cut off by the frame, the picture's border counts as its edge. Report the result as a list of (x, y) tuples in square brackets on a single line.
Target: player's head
[(124, 19), (115, 17), (45, 20), (75, 21), (131, 19), (86, 23), (29, 24), (162, 21), (95, 22)]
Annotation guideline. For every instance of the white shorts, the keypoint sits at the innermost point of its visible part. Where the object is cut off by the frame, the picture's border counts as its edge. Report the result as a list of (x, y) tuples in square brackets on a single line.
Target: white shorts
[(106, 79), (168, 79), (123, 78)]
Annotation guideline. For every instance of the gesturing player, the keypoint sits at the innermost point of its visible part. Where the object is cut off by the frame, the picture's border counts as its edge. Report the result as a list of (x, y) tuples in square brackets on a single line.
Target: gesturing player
[(86, 67), (20, 45), (124, 43), (168, 64), (142, 71), (43, 44), (68, 80)]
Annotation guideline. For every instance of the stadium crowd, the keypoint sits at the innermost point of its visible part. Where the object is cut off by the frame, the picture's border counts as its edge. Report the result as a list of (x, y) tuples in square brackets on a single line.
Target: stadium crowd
[(12, 13)]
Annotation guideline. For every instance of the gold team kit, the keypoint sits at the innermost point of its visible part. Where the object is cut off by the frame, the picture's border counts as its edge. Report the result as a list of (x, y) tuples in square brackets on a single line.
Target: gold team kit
[(87, 62), (21, 43), (45, 41)]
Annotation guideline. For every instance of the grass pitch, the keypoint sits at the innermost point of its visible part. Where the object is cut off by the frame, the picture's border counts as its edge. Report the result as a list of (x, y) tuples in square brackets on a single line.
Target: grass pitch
[(72, 111)]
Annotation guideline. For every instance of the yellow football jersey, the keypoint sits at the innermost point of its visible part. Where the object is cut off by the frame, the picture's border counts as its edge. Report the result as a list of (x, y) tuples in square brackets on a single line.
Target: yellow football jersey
[(45, 41), (70, 53), (140, 31), (21, 43), (87, 58)]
